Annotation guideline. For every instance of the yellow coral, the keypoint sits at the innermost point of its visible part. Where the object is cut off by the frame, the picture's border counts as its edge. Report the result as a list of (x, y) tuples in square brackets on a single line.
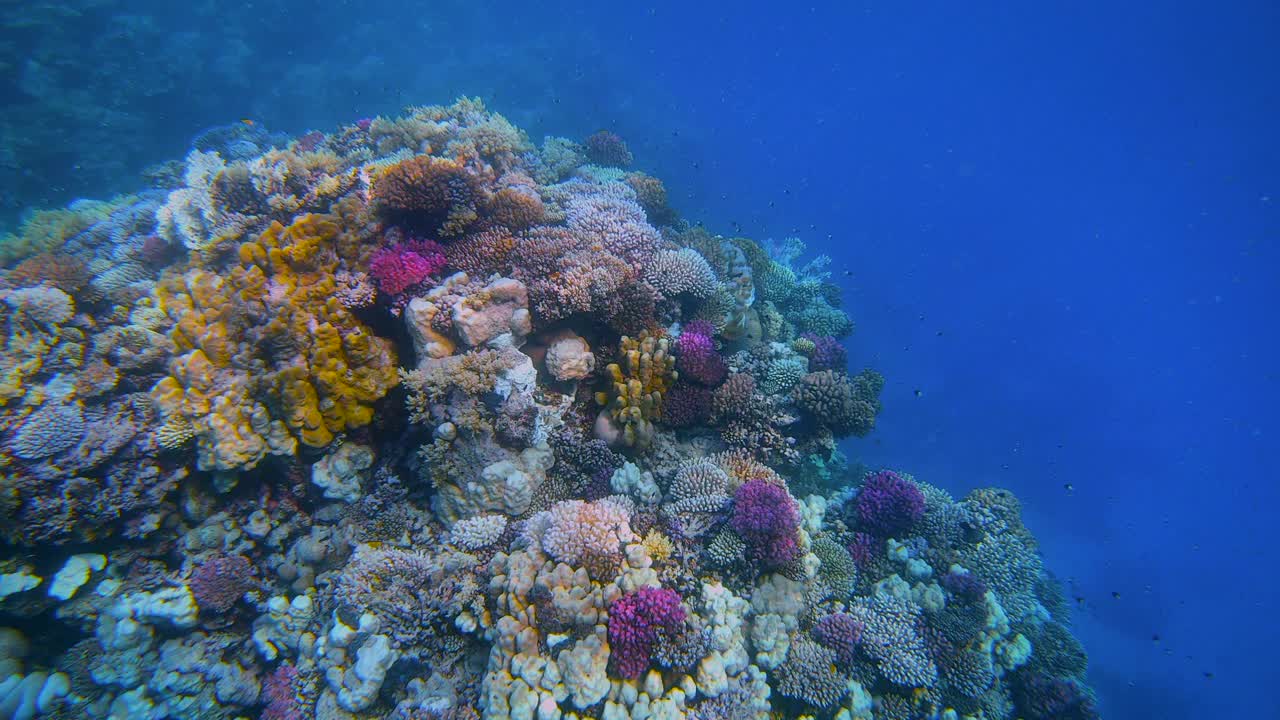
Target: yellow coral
[(269, 356), (658, 545), (639, 384)]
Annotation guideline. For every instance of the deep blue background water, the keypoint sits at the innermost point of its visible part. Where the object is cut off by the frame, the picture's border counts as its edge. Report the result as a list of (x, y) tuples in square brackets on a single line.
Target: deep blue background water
[(1060, 223)]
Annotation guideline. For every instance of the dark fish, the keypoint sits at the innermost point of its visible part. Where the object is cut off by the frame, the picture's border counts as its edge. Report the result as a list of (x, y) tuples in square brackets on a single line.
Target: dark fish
[(1155, 638), (1208, 675), (919, 392), (1068, 487), (1115, 594)]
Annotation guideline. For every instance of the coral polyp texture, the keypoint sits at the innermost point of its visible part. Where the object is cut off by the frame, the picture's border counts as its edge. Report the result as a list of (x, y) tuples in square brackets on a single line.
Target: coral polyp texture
[(414, 419)]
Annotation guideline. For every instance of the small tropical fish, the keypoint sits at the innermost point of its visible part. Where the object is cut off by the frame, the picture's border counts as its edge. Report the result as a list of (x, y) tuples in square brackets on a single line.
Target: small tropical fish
[(248, 122)]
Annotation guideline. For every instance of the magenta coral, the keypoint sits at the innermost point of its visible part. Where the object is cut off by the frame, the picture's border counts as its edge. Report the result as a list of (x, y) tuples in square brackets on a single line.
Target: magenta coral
[(864, 548), (766, 517), (964, 585), (697, 359), (400, 267), (888, 504), (634, 622)]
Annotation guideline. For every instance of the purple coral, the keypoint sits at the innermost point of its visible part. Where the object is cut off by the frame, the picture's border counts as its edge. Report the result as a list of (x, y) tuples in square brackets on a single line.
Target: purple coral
[(218, 583), (280, 696), (400, 267), (607, 148), (828, 353), (634, 622), (887, 504), (686, 405), (766, 517), (964, 585), (841, 633), (864, 549), (697, 359)]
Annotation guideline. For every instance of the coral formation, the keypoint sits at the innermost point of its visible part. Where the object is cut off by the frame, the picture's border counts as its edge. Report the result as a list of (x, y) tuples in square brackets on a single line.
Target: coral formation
[(412, 419)]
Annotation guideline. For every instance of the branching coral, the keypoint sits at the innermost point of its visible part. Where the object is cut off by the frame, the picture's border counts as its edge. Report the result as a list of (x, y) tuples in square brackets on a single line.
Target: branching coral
[(428, 193), (888, 504), (582, 533), (606, 148), (402, 266), (634, 622), (843, 405), (682, 272), (767, 518), (890, 638)]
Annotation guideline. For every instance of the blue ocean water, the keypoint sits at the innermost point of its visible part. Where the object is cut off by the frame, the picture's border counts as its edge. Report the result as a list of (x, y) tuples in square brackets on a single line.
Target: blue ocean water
[(1056, 226)]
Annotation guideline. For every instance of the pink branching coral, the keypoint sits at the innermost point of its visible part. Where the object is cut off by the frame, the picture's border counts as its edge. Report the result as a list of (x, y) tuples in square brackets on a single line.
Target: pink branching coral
[(280, 696), (841, 633), (767, 518), (400, 267), (634, 623)]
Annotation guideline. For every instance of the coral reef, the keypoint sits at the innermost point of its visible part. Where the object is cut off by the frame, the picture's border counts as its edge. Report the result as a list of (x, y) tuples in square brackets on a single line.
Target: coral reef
[(412, 419)]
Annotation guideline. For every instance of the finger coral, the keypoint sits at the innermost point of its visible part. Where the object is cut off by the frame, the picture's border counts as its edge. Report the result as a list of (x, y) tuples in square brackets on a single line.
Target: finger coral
[(639, 384)]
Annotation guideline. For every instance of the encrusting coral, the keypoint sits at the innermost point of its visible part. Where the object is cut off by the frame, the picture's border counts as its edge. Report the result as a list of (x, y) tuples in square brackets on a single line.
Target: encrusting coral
[(414, 419)]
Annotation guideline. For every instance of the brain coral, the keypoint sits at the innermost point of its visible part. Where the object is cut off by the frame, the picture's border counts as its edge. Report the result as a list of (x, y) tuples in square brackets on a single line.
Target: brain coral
[(268, 355)]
